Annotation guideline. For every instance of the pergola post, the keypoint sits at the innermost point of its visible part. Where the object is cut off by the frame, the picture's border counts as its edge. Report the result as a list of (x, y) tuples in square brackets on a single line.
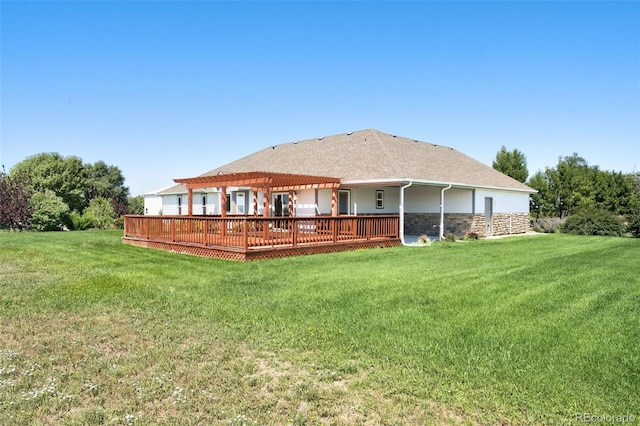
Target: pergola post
[(265, 213), (223, 211), (190, 201), (223, 202), (255, 201), (265, 201), (334, 201), (291, 203)]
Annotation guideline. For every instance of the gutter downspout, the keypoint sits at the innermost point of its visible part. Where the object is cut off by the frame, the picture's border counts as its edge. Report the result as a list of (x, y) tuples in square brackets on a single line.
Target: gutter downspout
[(441, 233), (401, 224)]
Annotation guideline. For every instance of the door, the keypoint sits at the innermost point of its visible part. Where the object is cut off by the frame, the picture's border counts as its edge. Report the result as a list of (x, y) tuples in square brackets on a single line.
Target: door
[(488, 216), (344, 202), (281, 204), (240, 206)]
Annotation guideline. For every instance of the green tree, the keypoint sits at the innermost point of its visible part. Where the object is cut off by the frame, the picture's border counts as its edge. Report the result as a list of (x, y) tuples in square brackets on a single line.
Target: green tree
[(511, 163), (136, 205), (50, 212), (541, 203), (15, 212), (65, 177), (101, 211), (573, 186), (107, 182)]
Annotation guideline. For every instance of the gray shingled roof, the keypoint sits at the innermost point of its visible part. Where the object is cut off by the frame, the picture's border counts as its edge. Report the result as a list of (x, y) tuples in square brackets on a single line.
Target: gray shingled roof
[(371, 155)]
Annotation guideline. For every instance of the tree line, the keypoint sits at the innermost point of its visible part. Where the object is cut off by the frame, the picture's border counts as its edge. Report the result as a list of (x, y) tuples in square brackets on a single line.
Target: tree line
[(51, 192), (584, 198)]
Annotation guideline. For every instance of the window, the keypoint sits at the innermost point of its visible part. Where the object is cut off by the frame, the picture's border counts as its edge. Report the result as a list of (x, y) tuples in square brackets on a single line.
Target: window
[(204, 204), (179, 205), (228, 203), (379, 199)]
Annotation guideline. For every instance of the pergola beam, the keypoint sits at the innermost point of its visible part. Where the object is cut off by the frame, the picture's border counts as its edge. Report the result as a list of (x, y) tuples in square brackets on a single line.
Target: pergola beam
[(260, 181)]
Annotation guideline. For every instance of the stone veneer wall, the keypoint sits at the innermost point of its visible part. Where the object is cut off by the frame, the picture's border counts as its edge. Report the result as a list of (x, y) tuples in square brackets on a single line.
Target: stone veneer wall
[(460, 224)]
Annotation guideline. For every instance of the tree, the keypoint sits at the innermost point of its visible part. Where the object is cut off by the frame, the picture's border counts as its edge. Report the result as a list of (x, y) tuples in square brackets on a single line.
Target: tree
[(511, 163), (50, 212), (136, 205), (75, 182), (65, 177), (15, 212), (107, 182), (101, 212), (573, 186)]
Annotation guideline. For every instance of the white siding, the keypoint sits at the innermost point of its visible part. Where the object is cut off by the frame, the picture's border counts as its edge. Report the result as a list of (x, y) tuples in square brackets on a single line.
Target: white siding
[(152, 204), (363, 200), (324, 201), (306, 205), (503, 201)]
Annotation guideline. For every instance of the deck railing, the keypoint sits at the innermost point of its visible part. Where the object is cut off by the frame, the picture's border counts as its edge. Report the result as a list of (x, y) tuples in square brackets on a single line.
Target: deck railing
[(248, 232)]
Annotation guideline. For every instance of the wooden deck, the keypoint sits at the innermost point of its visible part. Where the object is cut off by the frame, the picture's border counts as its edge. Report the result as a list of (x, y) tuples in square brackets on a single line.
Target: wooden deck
[(247, 237)]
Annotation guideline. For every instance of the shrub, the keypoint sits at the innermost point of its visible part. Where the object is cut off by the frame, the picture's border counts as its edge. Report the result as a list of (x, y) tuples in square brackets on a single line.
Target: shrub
[(450, 238), (49, 211), (81, 222), (547, 225), (633, 223), (102, 212), (594, 222), (472, 236), (118, 222)]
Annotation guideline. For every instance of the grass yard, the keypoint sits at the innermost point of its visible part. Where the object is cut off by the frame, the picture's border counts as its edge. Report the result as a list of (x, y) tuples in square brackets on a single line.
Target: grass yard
[(524, 330)]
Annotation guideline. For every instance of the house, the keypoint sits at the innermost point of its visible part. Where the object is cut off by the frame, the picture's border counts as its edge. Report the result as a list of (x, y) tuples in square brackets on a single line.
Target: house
[(431, 189)]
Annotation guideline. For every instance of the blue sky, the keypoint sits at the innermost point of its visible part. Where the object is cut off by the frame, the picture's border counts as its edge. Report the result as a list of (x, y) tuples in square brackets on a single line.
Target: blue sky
[(168, 89)]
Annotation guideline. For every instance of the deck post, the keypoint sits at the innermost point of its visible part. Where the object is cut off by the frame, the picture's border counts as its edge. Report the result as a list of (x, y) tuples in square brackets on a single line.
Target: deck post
[(245, 236), (223, 212), (294, 232), (172, 228)]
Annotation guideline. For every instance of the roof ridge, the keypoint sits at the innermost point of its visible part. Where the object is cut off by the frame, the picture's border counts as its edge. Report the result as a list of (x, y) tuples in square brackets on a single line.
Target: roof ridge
[(383, 147)]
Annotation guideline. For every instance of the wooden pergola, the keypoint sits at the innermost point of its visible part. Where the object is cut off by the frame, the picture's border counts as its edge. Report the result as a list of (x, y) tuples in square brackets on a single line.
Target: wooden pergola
[(266, 182)]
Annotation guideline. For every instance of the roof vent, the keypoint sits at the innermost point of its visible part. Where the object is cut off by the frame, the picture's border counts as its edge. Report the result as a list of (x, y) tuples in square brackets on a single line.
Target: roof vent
[(321, 138), (273, 147), (349, 134), (296, 142), (394, 136), (434, 144)]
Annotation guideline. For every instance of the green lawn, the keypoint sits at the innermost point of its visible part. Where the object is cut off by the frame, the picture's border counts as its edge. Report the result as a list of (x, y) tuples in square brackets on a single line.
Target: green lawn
[(523, 330)]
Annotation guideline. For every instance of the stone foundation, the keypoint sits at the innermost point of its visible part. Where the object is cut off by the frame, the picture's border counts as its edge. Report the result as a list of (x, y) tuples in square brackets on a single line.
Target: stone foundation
[(460, 224)]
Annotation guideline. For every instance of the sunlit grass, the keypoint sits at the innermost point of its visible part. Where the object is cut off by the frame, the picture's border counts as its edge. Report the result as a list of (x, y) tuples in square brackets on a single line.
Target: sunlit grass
[(526, 330)]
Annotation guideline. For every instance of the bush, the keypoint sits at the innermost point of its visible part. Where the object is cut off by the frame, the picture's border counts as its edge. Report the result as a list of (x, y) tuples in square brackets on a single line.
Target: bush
[(471, 236), (633, 223), (450, 238), (118, 223), (594, 222), (547, 225), (50, 213), (102, 212), (81, 222)]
